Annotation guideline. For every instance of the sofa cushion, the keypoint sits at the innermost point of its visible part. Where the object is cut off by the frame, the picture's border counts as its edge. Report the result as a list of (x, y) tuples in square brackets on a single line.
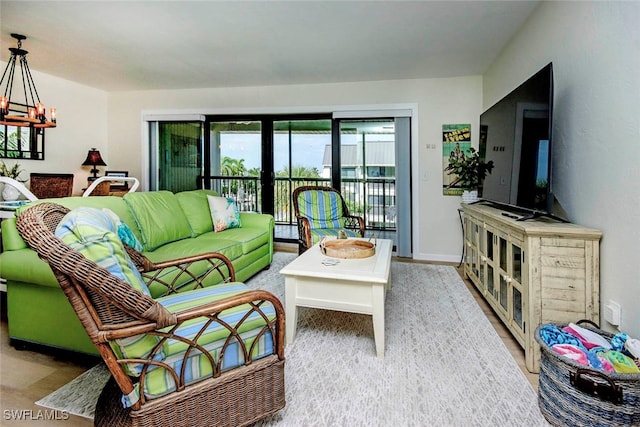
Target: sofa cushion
[(196, 208), (250, 238), (224, 213), (152, 211), (208, 242)]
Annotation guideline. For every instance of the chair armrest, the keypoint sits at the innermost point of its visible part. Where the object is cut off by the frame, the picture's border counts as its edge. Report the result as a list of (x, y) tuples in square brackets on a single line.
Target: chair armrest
[(193, 272), (304, 232), (354, 222)]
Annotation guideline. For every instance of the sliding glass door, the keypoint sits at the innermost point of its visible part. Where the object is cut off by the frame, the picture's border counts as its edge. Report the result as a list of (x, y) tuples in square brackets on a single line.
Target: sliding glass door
[(178, 159), (260, 160), (368, 172)]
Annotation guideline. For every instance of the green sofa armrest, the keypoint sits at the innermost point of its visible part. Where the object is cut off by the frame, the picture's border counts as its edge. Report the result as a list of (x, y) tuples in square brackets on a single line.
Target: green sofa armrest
[(24, 265), (11, 239), (253, 219)]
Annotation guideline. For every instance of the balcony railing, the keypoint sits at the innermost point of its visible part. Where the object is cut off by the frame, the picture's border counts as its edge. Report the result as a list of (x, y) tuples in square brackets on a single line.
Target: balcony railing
[(245, 190), (373, 199)]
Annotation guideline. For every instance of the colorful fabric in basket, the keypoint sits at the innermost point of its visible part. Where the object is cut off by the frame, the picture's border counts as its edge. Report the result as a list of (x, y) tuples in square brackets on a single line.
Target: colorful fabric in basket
[(589, 348), (587, 358), (572, 352), (621, 363), (618, 341), (553, 335), (588, 338), (158, 381)]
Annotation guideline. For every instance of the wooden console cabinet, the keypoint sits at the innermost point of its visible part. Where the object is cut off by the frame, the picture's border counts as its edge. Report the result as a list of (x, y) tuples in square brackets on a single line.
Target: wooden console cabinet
[(532, 272)]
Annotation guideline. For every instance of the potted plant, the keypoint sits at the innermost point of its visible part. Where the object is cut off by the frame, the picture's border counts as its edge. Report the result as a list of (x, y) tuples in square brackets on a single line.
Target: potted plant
[(10, 193), (469, 170)]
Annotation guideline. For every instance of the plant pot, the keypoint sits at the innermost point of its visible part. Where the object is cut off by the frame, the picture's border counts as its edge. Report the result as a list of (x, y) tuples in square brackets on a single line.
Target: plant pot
[(469, 196)]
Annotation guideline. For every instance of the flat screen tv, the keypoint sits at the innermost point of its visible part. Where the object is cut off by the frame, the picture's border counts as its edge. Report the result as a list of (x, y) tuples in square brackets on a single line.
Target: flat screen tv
[(515, 134)]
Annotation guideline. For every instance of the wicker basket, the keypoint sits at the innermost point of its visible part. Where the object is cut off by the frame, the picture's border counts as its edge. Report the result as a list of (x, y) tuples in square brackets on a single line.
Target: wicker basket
[(572, 395)]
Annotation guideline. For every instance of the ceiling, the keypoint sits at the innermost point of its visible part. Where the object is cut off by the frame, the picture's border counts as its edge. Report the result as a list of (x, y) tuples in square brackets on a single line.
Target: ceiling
[(142, 45)]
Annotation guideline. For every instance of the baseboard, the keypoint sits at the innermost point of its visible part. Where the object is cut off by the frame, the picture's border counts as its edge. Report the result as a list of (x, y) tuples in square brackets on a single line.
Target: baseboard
[(437, 257)]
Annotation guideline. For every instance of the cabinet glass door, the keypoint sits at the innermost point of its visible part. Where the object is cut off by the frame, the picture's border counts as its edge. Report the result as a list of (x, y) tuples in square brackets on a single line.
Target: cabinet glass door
[(489, 245), (516, 262), (503, 276), (504, 291), (474, 239), (490, 287), (482, 261), (470, 249), (517, 308), (515, 272), (490, 237)]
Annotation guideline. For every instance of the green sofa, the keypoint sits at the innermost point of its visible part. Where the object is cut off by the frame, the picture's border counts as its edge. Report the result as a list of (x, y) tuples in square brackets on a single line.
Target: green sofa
[(168, 226)]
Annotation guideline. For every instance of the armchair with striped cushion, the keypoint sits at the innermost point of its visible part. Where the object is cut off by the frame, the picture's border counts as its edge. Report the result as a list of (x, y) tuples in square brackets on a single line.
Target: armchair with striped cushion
[(206, 350), (321, 211)]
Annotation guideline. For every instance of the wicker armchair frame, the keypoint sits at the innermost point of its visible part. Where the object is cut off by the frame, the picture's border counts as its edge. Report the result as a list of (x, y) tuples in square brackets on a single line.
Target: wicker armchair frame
[(109, 309), (352, 222)]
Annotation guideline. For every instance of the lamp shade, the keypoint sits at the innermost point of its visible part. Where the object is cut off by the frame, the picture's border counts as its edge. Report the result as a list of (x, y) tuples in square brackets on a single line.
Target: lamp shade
[(94, 159)]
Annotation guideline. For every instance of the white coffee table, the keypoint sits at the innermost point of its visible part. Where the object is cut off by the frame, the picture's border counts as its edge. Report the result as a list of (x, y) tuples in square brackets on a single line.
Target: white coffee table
[(352, 285)]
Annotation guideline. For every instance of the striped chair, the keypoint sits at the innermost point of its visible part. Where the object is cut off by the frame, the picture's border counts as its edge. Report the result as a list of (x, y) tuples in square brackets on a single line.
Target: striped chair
[(321, 211)]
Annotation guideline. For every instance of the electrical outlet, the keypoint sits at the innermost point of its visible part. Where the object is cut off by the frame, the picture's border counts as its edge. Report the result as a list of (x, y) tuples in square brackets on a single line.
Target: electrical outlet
[(612, 313)]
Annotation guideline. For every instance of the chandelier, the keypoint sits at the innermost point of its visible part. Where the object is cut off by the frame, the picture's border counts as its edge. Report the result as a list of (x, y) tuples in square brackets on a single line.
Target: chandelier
[(31, 113)]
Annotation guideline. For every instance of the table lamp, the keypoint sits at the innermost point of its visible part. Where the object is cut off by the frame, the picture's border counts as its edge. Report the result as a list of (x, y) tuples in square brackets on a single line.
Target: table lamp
[(94, 159)]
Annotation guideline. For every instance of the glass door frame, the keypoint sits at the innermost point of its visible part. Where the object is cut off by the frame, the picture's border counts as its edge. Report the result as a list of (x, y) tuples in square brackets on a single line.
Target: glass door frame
[(406, 112)]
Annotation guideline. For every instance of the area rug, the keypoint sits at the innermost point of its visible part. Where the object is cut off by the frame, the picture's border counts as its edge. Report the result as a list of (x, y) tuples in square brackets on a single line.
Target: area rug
[(444, 364)]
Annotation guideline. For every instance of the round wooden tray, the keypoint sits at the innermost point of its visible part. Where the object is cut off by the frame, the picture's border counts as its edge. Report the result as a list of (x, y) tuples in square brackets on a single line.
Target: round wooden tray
[(347, 248)]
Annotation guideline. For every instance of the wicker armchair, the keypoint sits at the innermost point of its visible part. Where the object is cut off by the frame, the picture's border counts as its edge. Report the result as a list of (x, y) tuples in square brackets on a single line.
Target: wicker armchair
[(50, 185), (321, 211), (112, 311)]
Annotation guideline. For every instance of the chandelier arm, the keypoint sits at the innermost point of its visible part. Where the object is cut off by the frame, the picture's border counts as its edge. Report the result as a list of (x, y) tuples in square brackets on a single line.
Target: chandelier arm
[(29, 79), (12, 70), (7, 68)]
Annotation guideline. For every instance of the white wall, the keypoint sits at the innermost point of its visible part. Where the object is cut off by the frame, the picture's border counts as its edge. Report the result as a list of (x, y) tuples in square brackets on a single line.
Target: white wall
[(595, 50), (82, 124), (439, 101), (112, 122)]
